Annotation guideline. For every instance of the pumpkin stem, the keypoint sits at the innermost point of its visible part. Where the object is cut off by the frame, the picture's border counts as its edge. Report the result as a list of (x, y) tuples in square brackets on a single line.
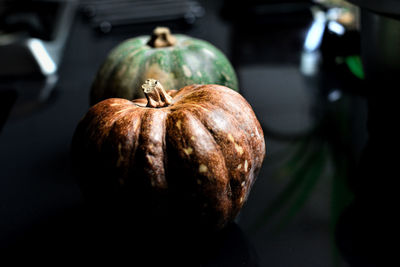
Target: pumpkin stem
[(161, 37), (155, 94)]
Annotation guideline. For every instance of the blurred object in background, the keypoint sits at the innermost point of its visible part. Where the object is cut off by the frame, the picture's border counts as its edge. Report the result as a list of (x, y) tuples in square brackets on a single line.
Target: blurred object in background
[(366, 232), (301, 63), (33, 34), (260, 26), (266, 40), (384, 6), (267, 11), (330, 58), (104, 15), (32, 38)]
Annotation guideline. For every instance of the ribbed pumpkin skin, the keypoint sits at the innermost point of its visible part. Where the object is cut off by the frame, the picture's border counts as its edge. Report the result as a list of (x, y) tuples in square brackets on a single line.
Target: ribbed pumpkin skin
[(189, 61), (197, 158)]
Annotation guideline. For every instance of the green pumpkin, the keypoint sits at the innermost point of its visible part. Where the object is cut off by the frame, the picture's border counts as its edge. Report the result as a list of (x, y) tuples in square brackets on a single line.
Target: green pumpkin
[(176, 61)]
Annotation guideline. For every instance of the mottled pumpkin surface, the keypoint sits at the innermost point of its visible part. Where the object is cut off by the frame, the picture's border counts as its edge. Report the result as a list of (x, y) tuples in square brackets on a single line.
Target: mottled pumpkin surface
[(197, 157), (189, 61)]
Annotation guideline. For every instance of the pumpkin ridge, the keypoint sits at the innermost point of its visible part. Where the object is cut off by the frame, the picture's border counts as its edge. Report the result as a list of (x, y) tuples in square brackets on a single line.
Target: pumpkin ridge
[(177, 60), (128, 76), (228, 195), (182, 94), (159, 66), (255, 163), (112, 80), (244, 114), (210, 183), (108, 69), (136, 141), (218, 148), (210, 72), (116, 133), (225, 75), (96, 148), (115, 119), (192, 67), (234, 185), (104, 122), (149, 143)]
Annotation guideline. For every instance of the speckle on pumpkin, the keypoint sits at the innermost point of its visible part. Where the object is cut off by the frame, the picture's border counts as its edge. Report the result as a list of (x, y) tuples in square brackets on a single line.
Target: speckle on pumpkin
[(239, 149), (203, 168), (188, 150), (149, 159), (186, 71), (178, 124), (230, 137)]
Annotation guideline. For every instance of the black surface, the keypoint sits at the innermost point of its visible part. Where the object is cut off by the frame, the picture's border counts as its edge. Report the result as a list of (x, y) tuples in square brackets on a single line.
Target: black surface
[(7, 98), (41, 207)]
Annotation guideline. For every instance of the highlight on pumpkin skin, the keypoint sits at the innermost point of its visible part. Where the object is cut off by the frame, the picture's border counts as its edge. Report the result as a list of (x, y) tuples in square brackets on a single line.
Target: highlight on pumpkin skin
[(156, 96)]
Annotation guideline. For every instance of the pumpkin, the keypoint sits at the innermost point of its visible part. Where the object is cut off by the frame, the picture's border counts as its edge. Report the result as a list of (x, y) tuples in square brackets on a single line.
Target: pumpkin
[(194, 153), (175, 61)]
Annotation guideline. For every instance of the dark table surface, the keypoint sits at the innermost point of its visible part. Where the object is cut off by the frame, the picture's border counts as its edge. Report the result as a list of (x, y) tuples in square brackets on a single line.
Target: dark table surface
[(315, 130)]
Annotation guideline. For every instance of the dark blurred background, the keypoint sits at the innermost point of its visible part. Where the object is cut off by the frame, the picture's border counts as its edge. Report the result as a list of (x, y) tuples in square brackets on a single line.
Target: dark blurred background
[(321, 77)]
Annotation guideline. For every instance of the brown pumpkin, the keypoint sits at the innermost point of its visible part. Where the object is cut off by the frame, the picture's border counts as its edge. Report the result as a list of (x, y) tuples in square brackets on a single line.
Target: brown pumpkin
[(193, 153)]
